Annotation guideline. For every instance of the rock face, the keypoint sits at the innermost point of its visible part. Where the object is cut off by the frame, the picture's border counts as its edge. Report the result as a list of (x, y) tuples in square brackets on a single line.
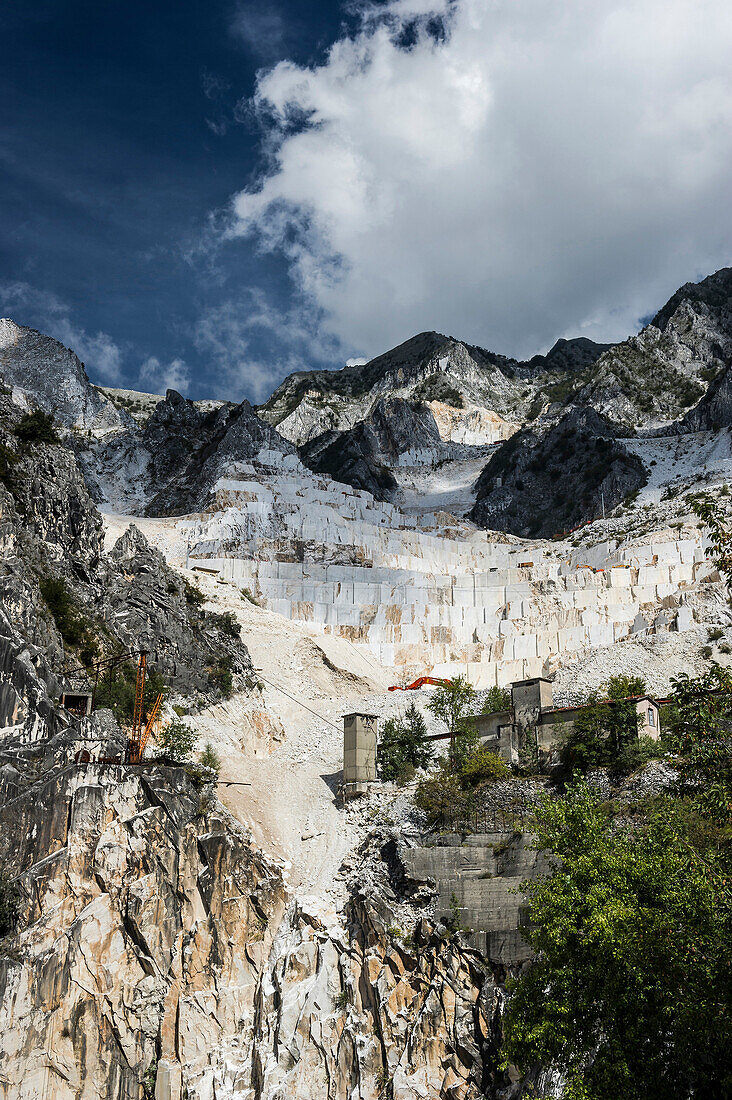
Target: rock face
[(654, 377), (549, 478), (55, 380), (155, 611), (157, 953), (395, 433), (172, 465), (429, 367), (714, 411), (50, 529), (144, 928)]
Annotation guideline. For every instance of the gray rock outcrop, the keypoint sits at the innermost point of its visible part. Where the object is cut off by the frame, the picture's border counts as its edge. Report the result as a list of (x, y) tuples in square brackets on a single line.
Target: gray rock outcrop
[(55, 380), (396, 432), (554, 475)]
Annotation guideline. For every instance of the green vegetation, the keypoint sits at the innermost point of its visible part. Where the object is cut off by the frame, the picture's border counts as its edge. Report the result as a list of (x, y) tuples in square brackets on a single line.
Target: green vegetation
[(76, 630), (8, 460), (225, 622), (220, 677), (176, 742), (453, 794), (496, 699), (454, 706), (606, 731), (437, 388), (630, 990), (149, 1080), (37, 427), (629, 993), (193, 594), (698, 725), (10, 898), (116, 691), (209, 758), (402, 747)]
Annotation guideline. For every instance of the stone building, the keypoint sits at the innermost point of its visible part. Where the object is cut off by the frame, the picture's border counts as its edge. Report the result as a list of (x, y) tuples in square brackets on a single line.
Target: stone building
[(534, 721), (359, 752)]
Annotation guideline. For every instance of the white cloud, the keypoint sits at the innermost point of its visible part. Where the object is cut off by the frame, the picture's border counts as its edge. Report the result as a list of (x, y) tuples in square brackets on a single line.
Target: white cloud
[(174, 375), (537, 170), (252, 345), (99, 353), (261, 29), (359, 361)]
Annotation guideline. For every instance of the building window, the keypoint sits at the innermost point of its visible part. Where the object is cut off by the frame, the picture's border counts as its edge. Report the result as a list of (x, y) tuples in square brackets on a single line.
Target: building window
[(651, 717)]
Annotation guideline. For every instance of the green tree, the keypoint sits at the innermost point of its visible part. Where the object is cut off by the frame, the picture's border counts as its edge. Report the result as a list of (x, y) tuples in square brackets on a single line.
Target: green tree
[(720, 537), (454, 706), (496, 699), (584, 745), (629, 994), (605, 731), (698, 725), (176, 741), (37, 427), (403, 746), (209, 758)]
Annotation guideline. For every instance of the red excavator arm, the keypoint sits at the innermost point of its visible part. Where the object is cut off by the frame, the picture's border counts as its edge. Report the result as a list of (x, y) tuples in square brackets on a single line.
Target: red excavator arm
[(420, 682)]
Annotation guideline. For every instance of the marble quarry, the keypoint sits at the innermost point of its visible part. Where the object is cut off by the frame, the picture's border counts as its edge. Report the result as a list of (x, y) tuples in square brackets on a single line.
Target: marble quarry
[(431, 593)]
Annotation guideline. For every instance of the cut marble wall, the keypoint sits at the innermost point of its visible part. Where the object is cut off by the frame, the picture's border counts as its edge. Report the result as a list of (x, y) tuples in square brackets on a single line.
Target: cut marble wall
[(434, 594)]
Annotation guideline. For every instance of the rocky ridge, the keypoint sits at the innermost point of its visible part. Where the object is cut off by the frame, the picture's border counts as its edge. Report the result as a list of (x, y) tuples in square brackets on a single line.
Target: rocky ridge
[(428, 367)]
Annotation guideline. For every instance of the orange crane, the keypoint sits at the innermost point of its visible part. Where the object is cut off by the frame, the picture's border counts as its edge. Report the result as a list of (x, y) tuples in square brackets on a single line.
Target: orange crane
[(420, 682), (138, 741)]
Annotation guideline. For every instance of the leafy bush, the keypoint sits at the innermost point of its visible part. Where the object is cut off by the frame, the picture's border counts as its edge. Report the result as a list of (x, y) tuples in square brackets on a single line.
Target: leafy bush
[(193, 594), (37, 427), (443, 799), (226, 623), (220, 677), (482, 767), (176, 741)]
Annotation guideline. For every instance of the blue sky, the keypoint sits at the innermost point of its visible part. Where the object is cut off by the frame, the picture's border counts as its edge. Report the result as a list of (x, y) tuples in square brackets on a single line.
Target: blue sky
[(121, 139), (213, 195)]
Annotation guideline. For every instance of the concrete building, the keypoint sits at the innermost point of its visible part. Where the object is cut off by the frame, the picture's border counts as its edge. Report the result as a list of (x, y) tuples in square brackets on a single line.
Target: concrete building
[(359, 752), (534, 722)]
